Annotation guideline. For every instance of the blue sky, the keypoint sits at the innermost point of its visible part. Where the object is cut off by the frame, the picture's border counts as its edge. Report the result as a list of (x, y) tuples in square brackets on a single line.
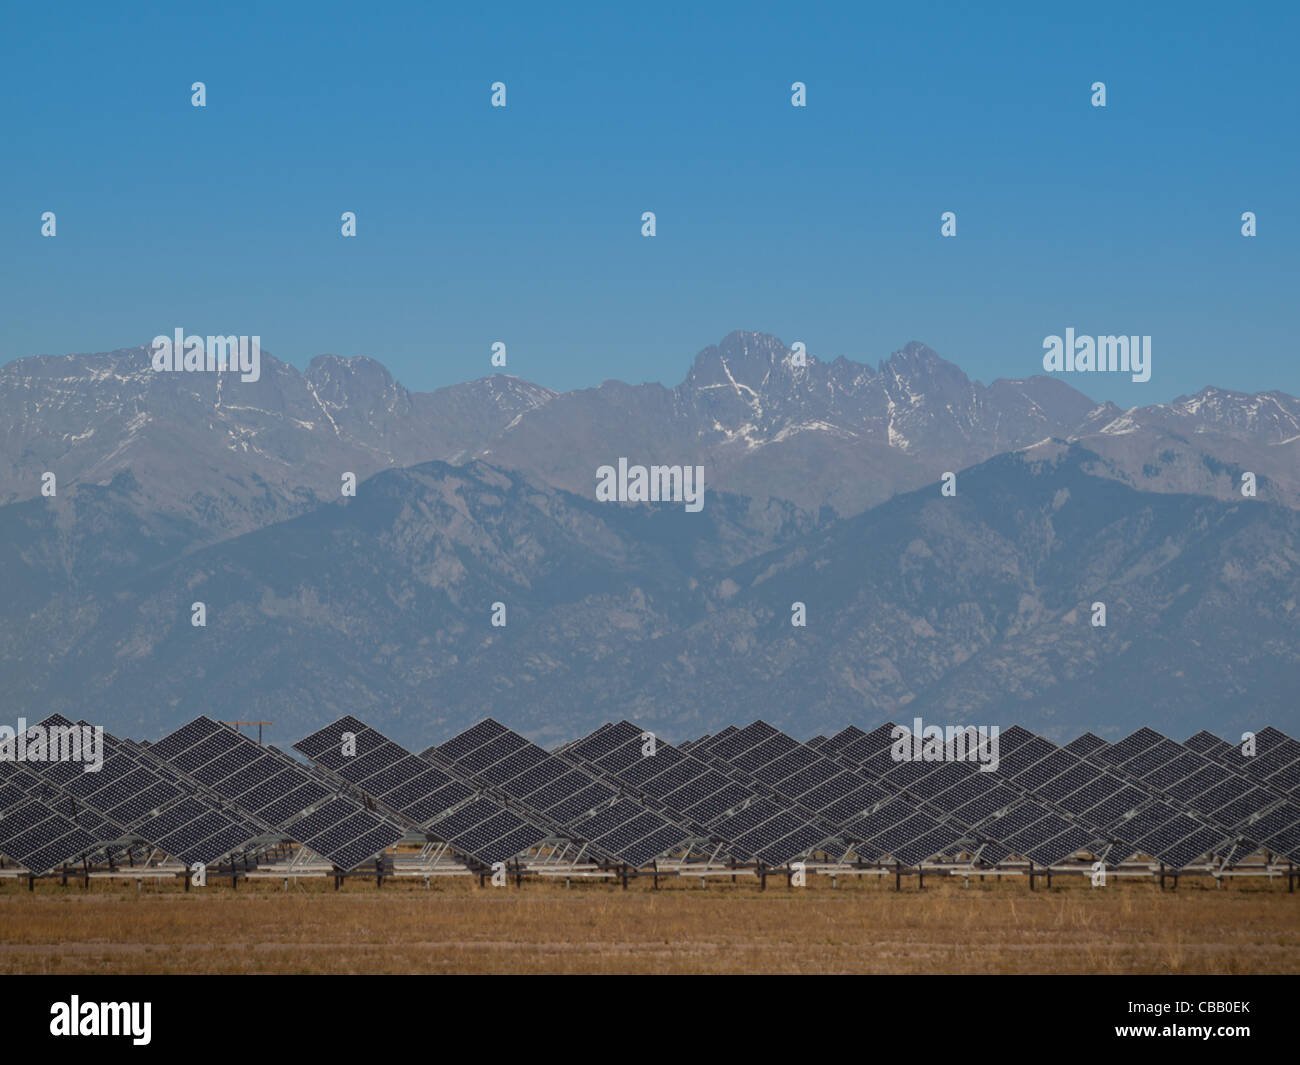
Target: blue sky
[(523, 225)]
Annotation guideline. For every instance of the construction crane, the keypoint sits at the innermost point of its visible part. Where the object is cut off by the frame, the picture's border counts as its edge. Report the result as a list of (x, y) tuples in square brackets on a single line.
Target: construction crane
[(259, 725)]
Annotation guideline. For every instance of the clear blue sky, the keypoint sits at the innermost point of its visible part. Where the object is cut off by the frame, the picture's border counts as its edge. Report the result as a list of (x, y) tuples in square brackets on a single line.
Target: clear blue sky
[(523, 224)]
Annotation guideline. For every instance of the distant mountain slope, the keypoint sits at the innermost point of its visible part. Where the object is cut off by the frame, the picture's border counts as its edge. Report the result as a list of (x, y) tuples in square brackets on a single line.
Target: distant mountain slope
[(821, 487), (974, 608), (230, 456), (977, 608), (837, 434)]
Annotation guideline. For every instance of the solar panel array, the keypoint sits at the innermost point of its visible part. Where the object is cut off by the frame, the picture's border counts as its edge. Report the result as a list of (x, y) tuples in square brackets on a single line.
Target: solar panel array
[(753, 794), (423, 791), (880, 821), (717, 804), (127, 799), (157, 806), (1252, 796), (33, 830), (576, 805), (1144, 794), (1001, 804), (271, 788), (1043, 802)]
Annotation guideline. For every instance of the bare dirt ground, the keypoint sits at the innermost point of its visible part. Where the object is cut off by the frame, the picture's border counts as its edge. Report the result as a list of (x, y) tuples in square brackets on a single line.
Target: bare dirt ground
[(458, 927)]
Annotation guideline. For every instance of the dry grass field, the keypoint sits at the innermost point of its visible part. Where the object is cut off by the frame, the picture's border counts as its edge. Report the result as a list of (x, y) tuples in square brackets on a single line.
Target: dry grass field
[(458, 927)]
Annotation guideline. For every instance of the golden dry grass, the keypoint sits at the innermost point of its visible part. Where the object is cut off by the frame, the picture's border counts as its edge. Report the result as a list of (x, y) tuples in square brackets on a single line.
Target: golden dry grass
[(459, 927)]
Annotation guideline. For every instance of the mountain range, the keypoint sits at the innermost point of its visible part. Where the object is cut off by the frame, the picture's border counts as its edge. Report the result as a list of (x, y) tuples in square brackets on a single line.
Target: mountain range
[(822, 487)]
